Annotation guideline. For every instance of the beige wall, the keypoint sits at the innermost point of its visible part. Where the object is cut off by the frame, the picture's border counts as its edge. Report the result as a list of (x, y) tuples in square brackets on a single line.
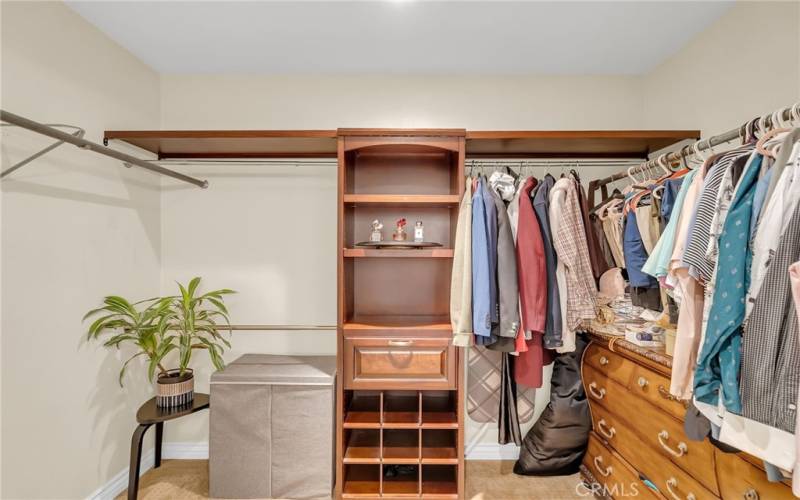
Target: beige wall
[(744, 65), (75, 226), (493, 103)]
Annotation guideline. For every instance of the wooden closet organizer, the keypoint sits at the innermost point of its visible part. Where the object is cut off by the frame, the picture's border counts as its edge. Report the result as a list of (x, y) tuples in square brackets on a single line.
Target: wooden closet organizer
[(400, 390), (400, 402)]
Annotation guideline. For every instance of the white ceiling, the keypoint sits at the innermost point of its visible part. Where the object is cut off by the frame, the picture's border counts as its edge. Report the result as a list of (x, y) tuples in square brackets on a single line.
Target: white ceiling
[(423, 37)]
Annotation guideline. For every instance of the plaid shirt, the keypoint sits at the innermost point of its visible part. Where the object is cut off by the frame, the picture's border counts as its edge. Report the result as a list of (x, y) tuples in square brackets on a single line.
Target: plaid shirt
[(573, 251)]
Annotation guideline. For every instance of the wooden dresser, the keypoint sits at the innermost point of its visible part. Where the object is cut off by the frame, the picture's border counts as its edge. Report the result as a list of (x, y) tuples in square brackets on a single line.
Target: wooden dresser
[(637, 432)]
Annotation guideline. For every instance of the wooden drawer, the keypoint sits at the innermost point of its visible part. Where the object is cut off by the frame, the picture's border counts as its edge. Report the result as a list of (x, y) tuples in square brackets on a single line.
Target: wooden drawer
[(672, 481), (617, 479), (663, 434), (399, 363), (654, 388), (613, 365), (739, 479), (602, 390)]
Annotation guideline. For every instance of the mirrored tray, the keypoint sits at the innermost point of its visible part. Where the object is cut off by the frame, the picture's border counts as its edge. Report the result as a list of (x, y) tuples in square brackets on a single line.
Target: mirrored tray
[(398, 244)]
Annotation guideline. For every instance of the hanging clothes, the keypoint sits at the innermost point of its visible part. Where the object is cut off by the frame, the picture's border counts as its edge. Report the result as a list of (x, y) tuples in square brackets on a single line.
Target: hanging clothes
[(491, 242), (481, 286), (720, 357), (540, 201), (770, 351), (461, 277), (507, 326), (533, 296), (596, 255), (794, 278), (574, 272)]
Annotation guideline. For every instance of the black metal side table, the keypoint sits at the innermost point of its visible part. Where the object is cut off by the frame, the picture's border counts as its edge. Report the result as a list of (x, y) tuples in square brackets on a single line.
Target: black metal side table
[(148, 415)]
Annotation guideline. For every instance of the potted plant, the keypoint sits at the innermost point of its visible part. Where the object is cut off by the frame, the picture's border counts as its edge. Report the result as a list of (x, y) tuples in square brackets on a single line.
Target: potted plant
[(161, 325)]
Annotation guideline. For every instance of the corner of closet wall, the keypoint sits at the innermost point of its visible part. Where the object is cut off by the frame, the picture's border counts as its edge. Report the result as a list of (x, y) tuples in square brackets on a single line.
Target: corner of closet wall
[(75, 227), (719, 79)]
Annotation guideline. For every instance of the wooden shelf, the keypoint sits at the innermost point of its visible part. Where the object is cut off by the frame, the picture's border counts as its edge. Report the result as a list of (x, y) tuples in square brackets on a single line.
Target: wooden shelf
[(401, 486), (400, 446), (361, 481), (439, 420), (572, 143), (364, 412), (403, 200), (231, 143), (363, 447), (434, 253), (439, 447), (439, 481), (401, 411), (394, 322)]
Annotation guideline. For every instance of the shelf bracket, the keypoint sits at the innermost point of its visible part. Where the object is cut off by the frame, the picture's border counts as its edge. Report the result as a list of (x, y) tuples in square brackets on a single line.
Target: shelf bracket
[(79, 133)]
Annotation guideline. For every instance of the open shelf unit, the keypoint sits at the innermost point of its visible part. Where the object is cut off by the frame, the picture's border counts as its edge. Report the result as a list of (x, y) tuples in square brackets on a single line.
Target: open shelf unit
[(402, 437), (400, 431)]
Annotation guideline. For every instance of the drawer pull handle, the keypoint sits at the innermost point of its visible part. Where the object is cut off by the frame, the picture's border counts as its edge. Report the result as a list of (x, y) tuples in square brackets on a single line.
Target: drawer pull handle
[(598, 463), (400, 343), (663, 436), (671, 483), (603, 361), (750, 494), (602, 428), (664, 393), (642, 382), (597, 393)]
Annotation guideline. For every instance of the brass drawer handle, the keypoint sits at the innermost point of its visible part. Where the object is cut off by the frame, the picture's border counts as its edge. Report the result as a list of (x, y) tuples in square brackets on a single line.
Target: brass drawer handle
[(601, 428), (642, 382), (664, 393), (599, 394), (603, 361), (671, 483), (750, 494), (682, 448), (400, 343), (598, 463)]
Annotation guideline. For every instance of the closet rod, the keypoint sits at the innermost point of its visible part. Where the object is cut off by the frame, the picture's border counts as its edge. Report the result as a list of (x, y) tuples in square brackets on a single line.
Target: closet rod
[(764, 123), (82, 143), (276, 327)]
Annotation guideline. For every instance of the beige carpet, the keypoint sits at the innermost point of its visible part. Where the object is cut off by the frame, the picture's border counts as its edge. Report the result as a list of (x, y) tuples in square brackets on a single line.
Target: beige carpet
[(188, 479)]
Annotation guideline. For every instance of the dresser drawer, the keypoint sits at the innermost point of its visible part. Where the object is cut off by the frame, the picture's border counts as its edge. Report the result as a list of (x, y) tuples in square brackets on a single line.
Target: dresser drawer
[(616, 478), (399, 363), (672, 481), (613, 365), (654, 388), (739, 479), (602, 390), (663, 434)]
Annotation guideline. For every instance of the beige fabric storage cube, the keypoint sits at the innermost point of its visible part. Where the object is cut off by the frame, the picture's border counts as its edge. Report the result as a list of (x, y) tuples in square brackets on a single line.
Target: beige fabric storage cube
[(271, 432)]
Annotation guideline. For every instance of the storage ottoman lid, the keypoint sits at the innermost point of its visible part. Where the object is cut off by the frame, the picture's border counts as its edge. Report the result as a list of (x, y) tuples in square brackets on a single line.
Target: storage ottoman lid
[(271, 369)]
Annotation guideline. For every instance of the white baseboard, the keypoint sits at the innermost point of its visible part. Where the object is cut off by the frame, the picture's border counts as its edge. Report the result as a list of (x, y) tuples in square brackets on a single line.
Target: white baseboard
[(491, 451), (199, 451), (119, 483), (185, 451)]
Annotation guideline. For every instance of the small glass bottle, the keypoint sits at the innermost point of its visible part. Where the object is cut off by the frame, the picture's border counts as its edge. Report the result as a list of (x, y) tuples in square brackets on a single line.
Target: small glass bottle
[(418, 232)]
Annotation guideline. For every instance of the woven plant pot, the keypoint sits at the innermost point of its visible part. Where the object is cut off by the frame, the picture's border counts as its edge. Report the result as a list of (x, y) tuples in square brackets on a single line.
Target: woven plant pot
[(174, 389)]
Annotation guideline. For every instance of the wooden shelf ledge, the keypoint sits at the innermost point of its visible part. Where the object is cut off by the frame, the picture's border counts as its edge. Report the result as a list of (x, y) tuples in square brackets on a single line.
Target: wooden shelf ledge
[(435, 253), (403, 200)]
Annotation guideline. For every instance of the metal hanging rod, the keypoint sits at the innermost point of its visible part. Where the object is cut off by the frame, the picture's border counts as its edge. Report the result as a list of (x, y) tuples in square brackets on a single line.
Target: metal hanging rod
[(82, 143), (549, 162), (762, 124), (78, 132), (277, 327)]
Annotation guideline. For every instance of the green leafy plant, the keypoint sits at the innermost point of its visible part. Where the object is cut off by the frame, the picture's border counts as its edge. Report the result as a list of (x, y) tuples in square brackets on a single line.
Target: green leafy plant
[(161, 325)]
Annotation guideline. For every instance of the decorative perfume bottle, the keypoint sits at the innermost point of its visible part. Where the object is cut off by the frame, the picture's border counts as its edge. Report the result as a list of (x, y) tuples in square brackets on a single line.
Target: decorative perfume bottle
[(376, 235), (419, 236), (400, 231)]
